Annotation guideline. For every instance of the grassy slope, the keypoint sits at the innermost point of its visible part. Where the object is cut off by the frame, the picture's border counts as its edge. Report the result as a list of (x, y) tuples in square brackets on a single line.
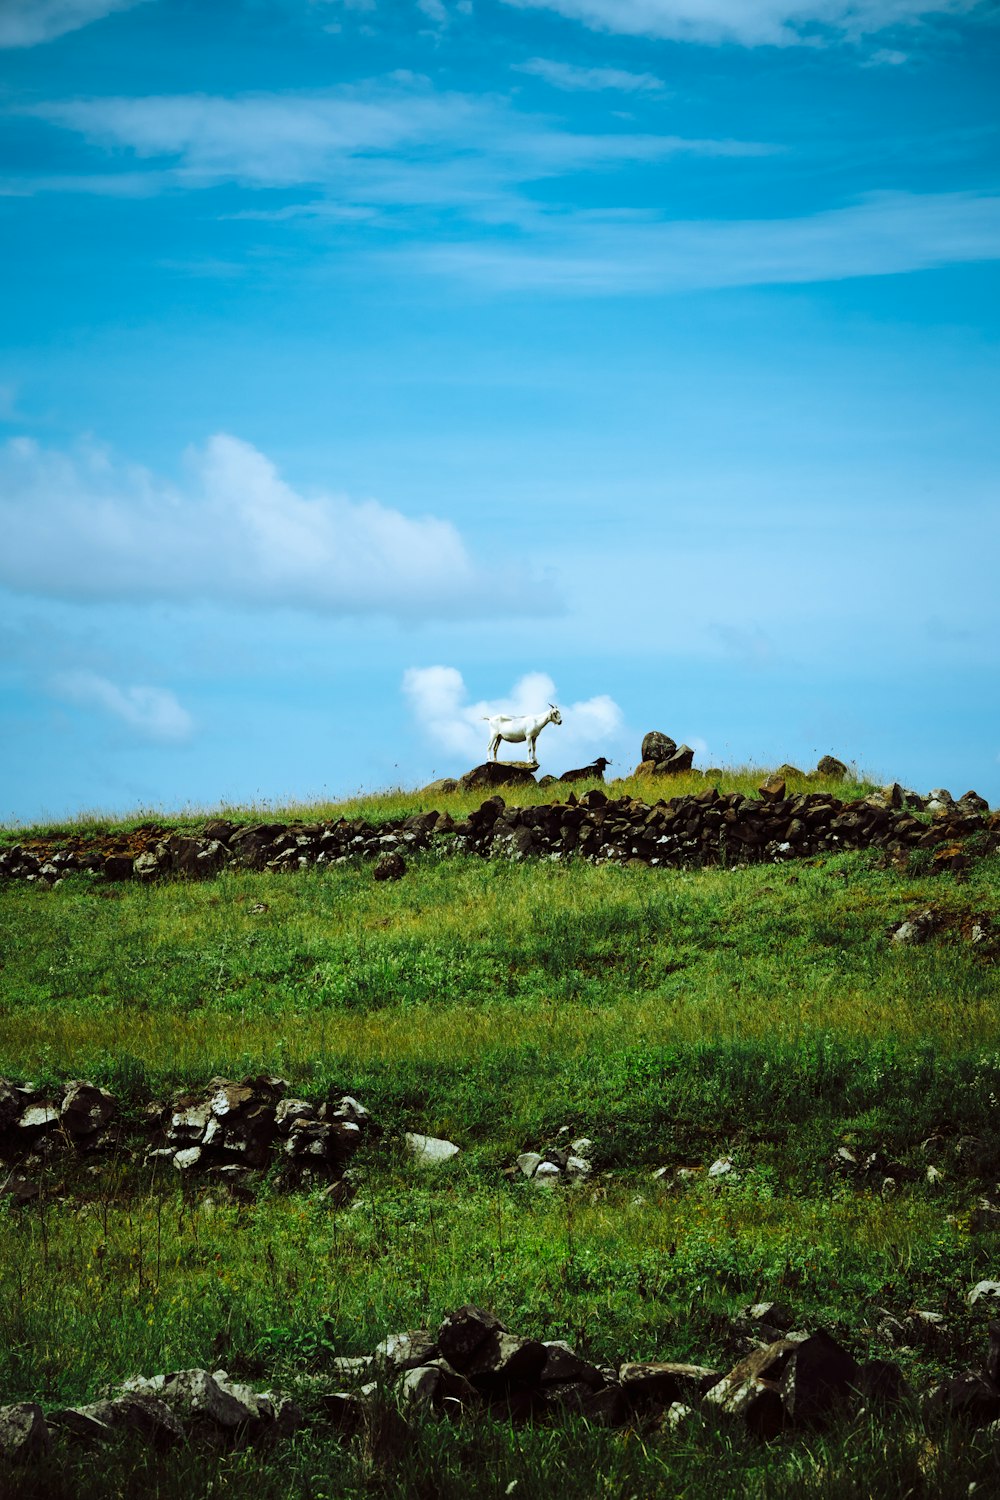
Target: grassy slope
[(671, 1016)]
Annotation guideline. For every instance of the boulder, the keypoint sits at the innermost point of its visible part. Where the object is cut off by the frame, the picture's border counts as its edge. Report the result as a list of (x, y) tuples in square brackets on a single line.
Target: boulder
[(666, 1383), (390, 866), (563, 1364), (818, 1376), (147, 1416), (503, 1359), (76, 1424), (772, 788), (38, 1117), (753, 1401), (831, 768), (443, 786), (682, 759), (403, 1351), (496, 773), (86, 1109), (147, 866), (195, 1396), (464, 1331), (429, 1150), (657, 746), (23, 1433), (971, 1397)]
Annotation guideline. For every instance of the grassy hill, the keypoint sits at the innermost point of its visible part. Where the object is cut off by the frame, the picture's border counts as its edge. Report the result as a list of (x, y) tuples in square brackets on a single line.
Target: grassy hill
[(762, 1015)]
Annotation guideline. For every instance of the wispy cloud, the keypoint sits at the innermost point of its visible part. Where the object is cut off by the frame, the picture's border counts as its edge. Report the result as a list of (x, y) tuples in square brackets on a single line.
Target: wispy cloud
[(152, 712), (580, 254), (81, 526), (752, 23), (438, 700), (25, 23), (397, 142), (571, 78)]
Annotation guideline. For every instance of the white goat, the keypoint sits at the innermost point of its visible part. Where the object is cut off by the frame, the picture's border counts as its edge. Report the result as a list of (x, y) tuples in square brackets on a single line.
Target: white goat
[(516, 730)]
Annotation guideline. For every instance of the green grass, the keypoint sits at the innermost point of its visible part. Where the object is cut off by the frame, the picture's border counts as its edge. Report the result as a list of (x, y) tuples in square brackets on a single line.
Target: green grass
[(671, 1016)]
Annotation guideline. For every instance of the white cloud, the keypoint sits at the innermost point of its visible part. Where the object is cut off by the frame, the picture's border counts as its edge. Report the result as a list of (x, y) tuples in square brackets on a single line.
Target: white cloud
[(584, 253), (437, 698), (154, 713), (568, 76), (396, 143), (751, 23), (25, 23), (82, 526)]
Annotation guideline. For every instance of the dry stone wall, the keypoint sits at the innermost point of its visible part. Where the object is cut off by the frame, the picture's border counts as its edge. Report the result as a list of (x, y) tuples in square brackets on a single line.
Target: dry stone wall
[(230, 1131), (785, 1381), (708, 827)]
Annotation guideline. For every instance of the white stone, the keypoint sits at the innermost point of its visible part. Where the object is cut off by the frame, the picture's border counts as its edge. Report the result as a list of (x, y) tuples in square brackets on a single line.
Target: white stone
[(679, 1415), (36, 1116), (528, 1161), (984, 1289), (429, 1150), (187, 1158), (721, 1167), (547, 1174)]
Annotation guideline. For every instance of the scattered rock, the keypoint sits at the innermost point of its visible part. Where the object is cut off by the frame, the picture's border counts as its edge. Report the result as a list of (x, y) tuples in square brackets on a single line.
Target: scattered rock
[(657, 746), (831, 768), (389, 866), (557, 1163), (86, 1109), (429, 1150), (818, 1377), (916, 929), (666, 1382), (496, 773), (195, 1396), (146, 1416), (23, 1433), (971, 1397)]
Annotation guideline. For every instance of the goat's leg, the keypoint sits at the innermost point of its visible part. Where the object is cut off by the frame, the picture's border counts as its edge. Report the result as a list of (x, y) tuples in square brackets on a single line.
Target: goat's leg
[(494, 746), (532, 752)]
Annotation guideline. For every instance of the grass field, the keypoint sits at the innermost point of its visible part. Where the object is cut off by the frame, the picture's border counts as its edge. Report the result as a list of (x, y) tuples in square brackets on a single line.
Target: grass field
[(673, 1017)]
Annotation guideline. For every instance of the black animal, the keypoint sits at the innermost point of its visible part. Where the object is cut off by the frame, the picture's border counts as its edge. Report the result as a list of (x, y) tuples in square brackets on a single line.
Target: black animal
[(595, 771)]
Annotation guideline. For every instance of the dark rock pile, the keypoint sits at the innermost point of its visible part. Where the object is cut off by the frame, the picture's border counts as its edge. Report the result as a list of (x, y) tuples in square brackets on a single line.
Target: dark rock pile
[(229, 1130), (662, 756), (188, 1405), (700, 828), (787, 1381)]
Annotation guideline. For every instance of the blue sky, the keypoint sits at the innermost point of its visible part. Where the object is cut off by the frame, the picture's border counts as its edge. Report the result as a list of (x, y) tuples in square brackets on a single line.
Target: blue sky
[(368, 365)]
